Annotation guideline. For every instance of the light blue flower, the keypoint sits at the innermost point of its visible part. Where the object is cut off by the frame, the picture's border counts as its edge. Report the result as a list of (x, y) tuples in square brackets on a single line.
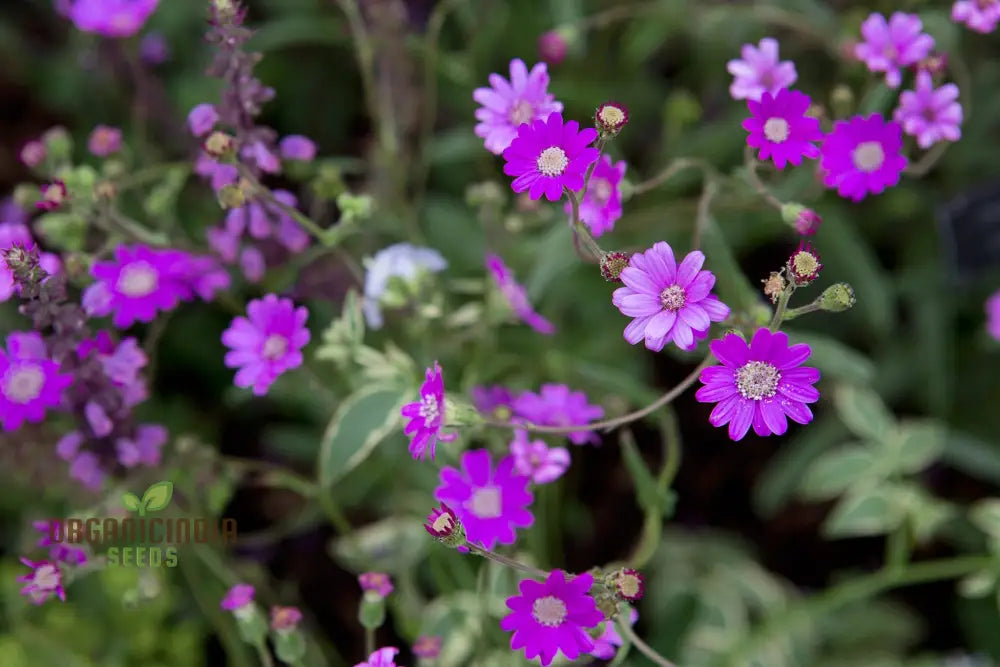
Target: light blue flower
[(401, 260)]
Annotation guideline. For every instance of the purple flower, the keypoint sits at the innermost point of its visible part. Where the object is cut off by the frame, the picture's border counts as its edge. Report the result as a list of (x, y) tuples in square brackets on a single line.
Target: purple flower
[(121, 364), (44, 581), (398, 263), (427, 646), (383, 657), (104, 141), (267, 342), (491, 399), (517, 296), (205, 276), (144, 448), (378, 583), (979, 15), (32, 154), (30, 382), (111, 18), (552, 47), (780, 128), (262, 220), (669, 302), (86, 469), (547, 156), (534, 459), (252, 264), (297, 147), (426, 416), (993, 315), (137, 285), (154, 49), (556, 405), (98, 420), (60, 552), (11, 234), (284, 619), (930, 115), (863, 155), (239, 597), (601, 206), (201, 119), (506, 105), (265, 159), (760, 71), (552, 616), (893, 45), (607, 643), (759, 384), (491, 504)]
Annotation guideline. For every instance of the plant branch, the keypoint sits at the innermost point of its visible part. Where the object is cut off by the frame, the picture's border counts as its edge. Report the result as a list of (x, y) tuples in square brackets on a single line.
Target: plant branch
[(509, 562), (626, 629)]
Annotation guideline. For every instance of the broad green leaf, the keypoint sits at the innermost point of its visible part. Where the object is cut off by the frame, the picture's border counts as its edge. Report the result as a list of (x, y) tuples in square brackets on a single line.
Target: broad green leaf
[(834, 359), (973, 456), (836, 470), (157, 496), (986, 515), (648, 493), (863, 411), (130, 501), (917, 445), (361, 422), (867, 512)]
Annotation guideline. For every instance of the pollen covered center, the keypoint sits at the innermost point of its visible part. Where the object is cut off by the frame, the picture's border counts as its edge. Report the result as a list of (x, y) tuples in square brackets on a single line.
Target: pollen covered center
[(486, 502), (443, 523), (521, 112), (776, 129), (274, 347), (550, 611), (611, 115), (673, 298), (757, 380), (429, 409), (868, 156), (46, 577), (628, 585), (552, 161), (804, 263), (138, 279), (23, 384)]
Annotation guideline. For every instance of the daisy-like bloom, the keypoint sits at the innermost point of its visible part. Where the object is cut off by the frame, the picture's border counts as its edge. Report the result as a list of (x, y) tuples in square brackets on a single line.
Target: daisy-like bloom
[(138, 284), (427, 416), (759, 384), (931, 115), (30, 382), (760, 71), (202, 119), (607, 643), (979, 15), (508, 104), (888, 47), (53, 196), (111, 18), (378, 583), (427, 646), (267, 342), (104, 141), (44, 581), (238, 597), (491, 503), (297, 147), (383, 657), (993, 315), (517, 296), (863, 155), (601, 205), (669, 302), (780, 128), (534, 459), (629, 584), (399, 262), (611, 118), (284, 619), (548, 155), (556, 405), (552, 616)]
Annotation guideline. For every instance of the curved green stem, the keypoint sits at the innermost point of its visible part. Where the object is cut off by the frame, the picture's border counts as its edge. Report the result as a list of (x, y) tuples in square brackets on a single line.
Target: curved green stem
[(580, 230), (752, 163), (301, 218), (644, 648), (675, 167)]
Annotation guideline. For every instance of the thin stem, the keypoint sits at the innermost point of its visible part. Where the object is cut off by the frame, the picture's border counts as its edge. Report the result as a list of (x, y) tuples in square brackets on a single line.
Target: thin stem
[(792, 313), (897, 547), (671, 170), (758, 185), (779, 312), (708, 192), (369, 641), (509, 562), (333, 511), (301, 218), (927, 160), (364, 53), (580, 230), (626, 629), (263, 653), (590, 170)]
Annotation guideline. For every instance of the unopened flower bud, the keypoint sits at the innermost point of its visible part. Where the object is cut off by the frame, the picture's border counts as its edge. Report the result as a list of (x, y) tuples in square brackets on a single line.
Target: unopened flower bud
[(607, 603), (804, 265), (628, 584), (231, 196), (842, 101), (53, 196), (354, 207), (33, 153), (284, 619), (329, 182), (371, 611), (290, 646), (610, 118), (225, 10), (552, 46), (444, 526), (612, 265), (58, 143), (837, 297), (803, 220), (774, 286), (220, 146)]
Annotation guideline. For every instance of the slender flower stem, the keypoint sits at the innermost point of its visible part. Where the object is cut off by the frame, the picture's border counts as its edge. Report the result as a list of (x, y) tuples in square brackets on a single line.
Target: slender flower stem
[(792, 313), (593, 165), (509, 562), (580, 230), (671, 170), (752, 163), (625, 628), (369, 641), (779, 312), (263, 654), (709, 189)]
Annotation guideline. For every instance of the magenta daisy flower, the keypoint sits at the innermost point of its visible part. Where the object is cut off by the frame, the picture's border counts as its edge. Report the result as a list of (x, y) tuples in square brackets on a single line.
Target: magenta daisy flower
[(44, 581), (111, 18), (517, 296), (30, 382), (888, 47), (267, 342), (138, 284), (547, 156), (863, 155), (669, 302), (383, 657), (427, 416), (760, 71), (607, 643), (556, 405), (552, 616), (491, 503), (759, 384), (535, 459), (506, 105), (993, 315), (930, 115), (780, 128), (979, 15), (601, 206)]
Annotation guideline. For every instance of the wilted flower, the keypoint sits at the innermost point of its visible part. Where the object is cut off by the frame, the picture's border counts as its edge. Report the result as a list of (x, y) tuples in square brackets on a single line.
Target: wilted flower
[(517, 296), (629, 584), (53, 196)]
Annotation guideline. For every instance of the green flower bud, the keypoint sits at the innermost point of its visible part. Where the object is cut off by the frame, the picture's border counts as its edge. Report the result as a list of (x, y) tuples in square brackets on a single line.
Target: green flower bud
[(290, 646), (842, 101), (354, 207), (220, 146), (371, 613), (58, 144), (65, 231), (837, 298), (482, 194), (329, 182), (251, 624)]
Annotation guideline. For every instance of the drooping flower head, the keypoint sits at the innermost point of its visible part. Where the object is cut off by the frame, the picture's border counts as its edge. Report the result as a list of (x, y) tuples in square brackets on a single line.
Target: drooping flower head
[(889, 47), (238, 597), (780, 128), (759, 384), (111, 18), (993, 315), (607, 643), (601, 205), (267, 342), (427, 416), (508, 104), (979, 15), (138, 284), (931, 115), (760, 71), (552, 616), (547, 156), (490, 502), (377, 583), (517, 296), (863, 155), (30, 382), (383, 657), (393, 274), (535, 459), (44, 581), (556, 405), (669, 302)]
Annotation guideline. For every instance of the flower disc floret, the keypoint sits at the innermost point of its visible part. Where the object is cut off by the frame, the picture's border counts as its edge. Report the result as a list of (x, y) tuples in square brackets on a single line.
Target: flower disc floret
[(547, 156)]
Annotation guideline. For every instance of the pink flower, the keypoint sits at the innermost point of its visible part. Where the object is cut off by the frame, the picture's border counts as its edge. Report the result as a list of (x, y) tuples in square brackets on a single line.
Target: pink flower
[(893, 45), (863, 155), (144, 448), (238, 597), (265, 159), (104, 141), (993, 315), (552, 616), (552, 47), (202, 119), (98, 420), (383, 657), (427, 416), (284, 619), (44, 581), (491, 503), (491, 399), (297, 147), (30, 382), (547, 156), (111, 18), (759, 384), (61, 552), (517, 296), (267, 342), (136, 286), (427, 646), (506, 105), (121, 363), (32, 154), (979, 15), (780, 128), (534, 459), (930, 115), (760, 71), (605, 645), (556, 405), (378, 583), (601, 206), (86, 469)]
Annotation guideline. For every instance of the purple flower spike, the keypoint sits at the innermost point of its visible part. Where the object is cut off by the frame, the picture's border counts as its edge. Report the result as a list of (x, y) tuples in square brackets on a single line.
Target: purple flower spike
[(508, 104), (547, 156), (863, 155), (517, 296), (267, 342), (760, 71), (889, 47), (201, 119), (780, 128), (931, 115)]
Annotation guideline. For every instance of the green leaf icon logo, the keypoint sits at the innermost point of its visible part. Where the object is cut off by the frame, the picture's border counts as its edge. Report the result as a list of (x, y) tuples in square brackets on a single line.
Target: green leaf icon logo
[(156, 497), (131, 502)]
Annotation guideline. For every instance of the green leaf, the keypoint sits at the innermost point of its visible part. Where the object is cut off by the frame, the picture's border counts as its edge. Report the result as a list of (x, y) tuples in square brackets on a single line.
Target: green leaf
[(973, 456), (157, 496), (917, 445), (392, 545), (731, 283), (835, 359), (986, 515), (648, 493), (978, 584), (868, 512), (863, 411), (130, 501), (836, 470), (361, 422)]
